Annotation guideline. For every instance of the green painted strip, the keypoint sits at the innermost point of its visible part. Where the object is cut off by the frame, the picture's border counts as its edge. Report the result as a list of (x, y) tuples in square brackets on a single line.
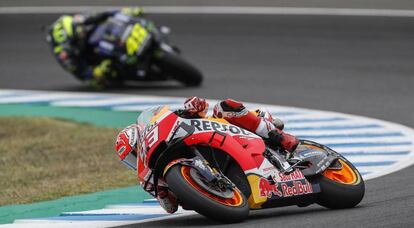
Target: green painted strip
[(99, 117), (92, 201)]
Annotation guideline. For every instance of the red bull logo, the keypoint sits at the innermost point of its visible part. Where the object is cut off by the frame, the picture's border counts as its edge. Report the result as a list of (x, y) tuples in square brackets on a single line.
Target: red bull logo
[(268, 190), (298, 188)]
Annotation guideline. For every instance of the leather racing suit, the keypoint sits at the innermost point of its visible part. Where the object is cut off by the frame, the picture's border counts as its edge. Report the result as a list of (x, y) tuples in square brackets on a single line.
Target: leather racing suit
[(260, 122)]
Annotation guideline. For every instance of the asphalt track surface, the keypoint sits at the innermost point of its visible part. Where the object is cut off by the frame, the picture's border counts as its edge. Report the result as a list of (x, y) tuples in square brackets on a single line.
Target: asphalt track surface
[(356, 65)]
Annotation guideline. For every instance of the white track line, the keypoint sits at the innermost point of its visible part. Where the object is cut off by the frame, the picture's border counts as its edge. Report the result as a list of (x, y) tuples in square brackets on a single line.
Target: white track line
[(373, 159), (375, 149), (385, 139), (122, 211), (341, 131), (345, 122), (217, 10)]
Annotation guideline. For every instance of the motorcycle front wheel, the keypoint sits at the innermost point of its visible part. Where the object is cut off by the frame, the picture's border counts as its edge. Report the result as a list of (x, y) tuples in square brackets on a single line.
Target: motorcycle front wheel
[(191, 189), (178, 68)]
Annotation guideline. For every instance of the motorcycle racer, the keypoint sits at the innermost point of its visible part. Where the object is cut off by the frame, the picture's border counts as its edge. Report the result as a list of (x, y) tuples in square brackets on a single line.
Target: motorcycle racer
[(259, 122), (68, 37)]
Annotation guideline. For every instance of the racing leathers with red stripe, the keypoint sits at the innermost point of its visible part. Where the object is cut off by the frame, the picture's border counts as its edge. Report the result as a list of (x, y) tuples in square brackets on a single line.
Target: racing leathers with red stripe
[(260, 122)]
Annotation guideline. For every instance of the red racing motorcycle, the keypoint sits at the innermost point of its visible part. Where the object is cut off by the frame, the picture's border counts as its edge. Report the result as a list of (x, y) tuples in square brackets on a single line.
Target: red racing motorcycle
[(223, 171)]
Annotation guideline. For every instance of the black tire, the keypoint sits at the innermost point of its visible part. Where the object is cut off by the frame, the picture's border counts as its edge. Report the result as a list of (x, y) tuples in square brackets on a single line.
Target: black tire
[(178, 68), (204, 205), (336, 195)]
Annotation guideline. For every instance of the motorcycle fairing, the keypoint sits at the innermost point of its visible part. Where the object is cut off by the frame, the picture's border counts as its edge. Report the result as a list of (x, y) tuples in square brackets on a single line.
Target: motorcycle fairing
[(155, 128), (118, 34), (266, 182), (106, 36), (158, 124), (319, 158)]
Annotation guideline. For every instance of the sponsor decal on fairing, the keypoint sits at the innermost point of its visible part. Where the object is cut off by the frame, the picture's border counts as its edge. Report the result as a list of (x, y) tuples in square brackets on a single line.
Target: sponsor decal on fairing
[(295, 175), (268, 189), (280, 185), (207, 125), (296, 189)]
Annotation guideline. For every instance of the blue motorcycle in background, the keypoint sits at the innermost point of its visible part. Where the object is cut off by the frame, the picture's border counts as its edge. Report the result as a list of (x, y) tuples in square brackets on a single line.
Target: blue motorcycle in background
[(136, 48)]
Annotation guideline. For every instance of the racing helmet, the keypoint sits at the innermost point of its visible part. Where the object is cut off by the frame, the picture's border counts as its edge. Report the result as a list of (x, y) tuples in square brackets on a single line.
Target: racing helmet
[(125, 146), (67, 28), (62, 30)]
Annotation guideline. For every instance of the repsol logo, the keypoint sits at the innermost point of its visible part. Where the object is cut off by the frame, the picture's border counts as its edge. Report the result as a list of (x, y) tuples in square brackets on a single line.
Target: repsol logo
[(205, 125)]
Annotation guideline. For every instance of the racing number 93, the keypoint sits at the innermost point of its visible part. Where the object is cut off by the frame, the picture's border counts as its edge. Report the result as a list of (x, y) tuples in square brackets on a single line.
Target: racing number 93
[(135, 40), (151, 138)]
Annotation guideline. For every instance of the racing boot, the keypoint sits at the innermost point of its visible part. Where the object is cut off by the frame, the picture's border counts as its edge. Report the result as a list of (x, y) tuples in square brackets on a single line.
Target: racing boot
[(285, 141)]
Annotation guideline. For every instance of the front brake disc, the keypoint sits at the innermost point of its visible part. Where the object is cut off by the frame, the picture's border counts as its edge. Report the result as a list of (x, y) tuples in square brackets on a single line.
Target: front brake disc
[(210, 187)]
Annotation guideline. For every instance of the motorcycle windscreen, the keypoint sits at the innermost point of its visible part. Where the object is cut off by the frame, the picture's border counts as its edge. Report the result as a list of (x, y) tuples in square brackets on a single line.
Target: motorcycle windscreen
[(131, 160), (106, 36)]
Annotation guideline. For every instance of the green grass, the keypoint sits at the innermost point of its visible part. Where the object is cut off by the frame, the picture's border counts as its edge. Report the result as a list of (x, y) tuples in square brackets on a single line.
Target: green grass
[(44, 158)]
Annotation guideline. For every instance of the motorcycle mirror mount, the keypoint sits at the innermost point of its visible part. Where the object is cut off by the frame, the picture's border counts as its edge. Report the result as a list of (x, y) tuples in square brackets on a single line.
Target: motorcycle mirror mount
[(189, 130), (165, 29)]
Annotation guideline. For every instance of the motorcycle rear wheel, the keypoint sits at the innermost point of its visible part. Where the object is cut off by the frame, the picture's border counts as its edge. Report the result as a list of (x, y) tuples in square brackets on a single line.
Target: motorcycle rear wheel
[(186, 186), (342, 188)]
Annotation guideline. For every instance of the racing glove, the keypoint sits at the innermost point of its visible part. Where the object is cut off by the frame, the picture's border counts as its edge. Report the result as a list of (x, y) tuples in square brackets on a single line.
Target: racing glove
[(196, 107)]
